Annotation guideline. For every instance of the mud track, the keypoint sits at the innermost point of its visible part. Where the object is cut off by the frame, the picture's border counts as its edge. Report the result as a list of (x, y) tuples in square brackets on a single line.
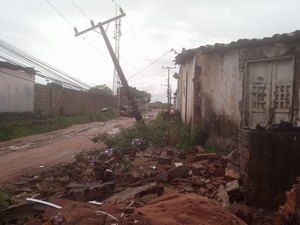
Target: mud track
[(39, 151)]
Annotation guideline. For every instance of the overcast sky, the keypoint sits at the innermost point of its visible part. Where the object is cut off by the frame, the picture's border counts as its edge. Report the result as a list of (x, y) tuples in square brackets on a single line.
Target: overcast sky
[(149, 30)]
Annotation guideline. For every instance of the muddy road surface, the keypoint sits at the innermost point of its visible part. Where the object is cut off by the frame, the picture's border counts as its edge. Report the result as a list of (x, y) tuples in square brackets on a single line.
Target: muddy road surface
[(40, 151)]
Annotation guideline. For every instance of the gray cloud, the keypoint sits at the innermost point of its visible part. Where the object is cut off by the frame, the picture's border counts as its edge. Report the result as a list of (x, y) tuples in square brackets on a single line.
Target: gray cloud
[(149, 29)]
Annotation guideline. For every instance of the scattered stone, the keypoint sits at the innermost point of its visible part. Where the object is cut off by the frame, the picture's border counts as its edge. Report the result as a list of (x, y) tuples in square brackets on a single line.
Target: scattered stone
[(108, 175), (43, 187), (164, 160), (232, 171), (171, 152), (232, 185), (191, 158), (130, 194), (163, 177), (178, 172), (178, 164), (199, 169), (64, 180), (242, 211), (89, 191), (200, 149), (222, 196)]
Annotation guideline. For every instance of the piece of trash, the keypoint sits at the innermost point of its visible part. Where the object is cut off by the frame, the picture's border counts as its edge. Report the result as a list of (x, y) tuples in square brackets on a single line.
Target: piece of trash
[(95, 202), (43, 202), (178, 164), (42, 166), (104, 110), (114, 218)]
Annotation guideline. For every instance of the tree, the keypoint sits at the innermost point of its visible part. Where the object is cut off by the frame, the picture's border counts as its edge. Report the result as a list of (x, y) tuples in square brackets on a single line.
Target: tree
[(140, 94), (101, 89)]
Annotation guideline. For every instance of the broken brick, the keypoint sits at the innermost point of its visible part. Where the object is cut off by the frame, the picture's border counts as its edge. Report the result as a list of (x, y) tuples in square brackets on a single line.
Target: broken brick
[(199, 169), (172, 174), (242, 211), (164, 160)]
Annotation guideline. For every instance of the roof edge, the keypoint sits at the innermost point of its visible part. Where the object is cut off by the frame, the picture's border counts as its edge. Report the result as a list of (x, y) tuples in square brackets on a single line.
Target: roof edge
[(186, 55)]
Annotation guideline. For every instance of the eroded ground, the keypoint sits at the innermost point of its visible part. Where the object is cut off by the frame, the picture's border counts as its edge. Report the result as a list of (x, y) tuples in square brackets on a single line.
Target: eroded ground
[(38, 151)]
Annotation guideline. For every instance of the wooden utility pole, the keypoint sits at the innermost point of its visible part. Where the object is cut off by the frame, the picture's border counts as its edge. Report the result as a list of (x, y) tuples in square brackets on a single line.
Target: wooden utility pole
[(169, 90), (135, 111)]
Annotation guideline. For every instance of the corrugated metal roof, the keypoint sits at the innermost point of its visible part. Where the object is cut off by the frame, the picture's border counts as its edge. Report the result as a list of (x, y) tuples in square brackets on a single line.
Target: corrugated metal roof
[(286, 37)]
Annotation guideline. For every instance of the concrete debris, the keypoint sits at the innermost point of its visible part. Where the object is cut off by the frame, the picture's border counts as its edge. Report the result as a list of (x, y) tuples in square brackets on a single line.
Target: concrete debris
[(168, 176), (164, 160), (289, 213), (223, 196), (242, 211), (131, 193), (122, 185), (89, 191)]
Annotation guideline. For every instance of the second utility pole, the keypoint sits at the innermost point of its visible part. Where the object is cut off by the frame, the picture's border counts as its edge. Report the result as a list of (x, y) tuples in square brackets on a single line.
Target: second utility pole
[(135, 110), (169, 90)]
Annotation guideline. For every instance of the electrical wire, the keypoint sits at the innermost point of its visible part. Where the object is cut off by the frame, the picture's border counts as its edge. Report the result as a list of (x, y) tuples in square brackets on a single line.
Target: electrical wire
[(47, 72), (144, 68), (80, 9), (44, 65), (53, 75), (60, 13)]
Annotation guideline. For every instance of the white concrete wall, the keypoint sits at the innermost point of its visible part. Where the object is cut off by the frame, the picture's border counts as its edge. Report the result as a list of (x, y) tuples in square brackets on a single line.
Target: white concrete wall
[(16, 91), (221, 84), (186, 91)]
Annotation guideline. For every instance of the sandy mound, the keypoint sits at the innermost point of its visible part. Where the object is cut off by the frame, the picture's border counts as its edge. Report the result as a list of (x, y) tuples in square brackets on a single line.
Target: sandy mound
[(187, 209)]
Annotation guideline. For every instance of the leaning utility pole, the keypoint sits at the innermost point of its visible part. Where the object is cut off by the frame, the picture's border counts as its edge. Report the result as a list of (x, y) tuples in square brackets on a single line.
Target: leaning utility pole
[(135, 111), (168, 90)]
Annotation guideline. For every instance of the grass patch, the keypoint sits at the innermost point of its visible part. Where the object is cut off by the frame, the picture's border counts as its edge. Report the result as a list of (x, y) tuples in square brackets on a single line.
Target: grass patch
[(21, 128), (5, 199), (158, 132)]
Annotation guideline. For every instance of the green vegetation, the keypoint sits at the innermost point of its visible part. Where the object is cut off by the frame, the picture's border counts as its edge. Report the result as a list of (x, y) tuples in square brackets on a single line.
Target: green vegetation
[(5, 199), (18, 128), (140, 94), (158, 132), (101, 89), (210, 149)]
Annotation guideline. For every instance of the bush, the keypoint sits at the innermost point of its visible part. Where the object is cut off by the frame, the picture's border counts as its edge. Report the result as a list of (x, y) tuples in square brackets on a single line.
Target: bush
[(156, 133), (5, 199)]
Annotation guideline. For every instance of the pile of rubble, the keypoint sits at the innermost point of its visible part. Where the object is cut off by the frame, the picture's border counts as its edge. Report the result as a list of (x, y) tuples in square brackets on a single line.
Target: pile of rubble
[(126, 189), (289, 213)]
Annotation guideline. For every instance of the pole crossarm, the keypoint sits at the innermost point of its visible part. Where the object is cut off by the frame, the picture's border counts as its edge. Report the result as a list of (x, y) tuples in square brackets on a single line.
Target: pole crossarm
[(97, 25)]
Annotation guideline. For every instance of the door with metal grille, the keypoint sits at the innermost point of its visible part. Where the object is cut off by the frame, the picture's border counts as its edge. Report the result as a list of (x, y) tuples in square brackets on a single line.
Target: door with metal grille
[(270, 91)]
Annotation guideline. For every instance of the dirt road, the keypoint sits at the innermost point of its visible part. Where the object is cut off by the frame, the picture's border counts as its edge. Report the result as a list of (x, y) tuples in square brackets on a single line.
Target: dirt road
[(40, 151)]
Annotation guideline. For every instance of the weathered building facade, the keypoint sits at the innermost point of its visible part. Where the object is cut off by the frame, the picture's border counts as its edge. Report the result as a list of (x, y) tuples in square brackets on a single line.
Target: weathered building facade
[(246, 83), (232, 90), (16, 88)]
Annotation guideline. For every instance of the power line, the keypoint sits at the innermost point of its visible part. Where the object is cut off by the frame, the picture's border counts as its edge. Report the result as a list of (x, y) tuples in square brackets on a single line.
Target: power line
[(83, 14), (149, 65), (27, 59), (80, 9), (37, 74), (28, 62), (38, 62), (60, 13)]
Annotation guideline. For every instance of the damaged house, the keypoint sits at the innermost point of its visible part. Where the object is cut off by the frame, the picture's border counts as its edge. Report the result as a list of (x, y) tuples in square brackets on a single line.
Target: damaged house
[(246, 95)]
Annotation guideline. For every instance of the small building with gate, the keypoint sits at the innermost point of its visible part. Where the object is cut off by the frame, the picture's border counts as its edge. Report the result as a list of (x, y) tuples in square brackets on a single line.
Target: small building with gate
[(235, 91)]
